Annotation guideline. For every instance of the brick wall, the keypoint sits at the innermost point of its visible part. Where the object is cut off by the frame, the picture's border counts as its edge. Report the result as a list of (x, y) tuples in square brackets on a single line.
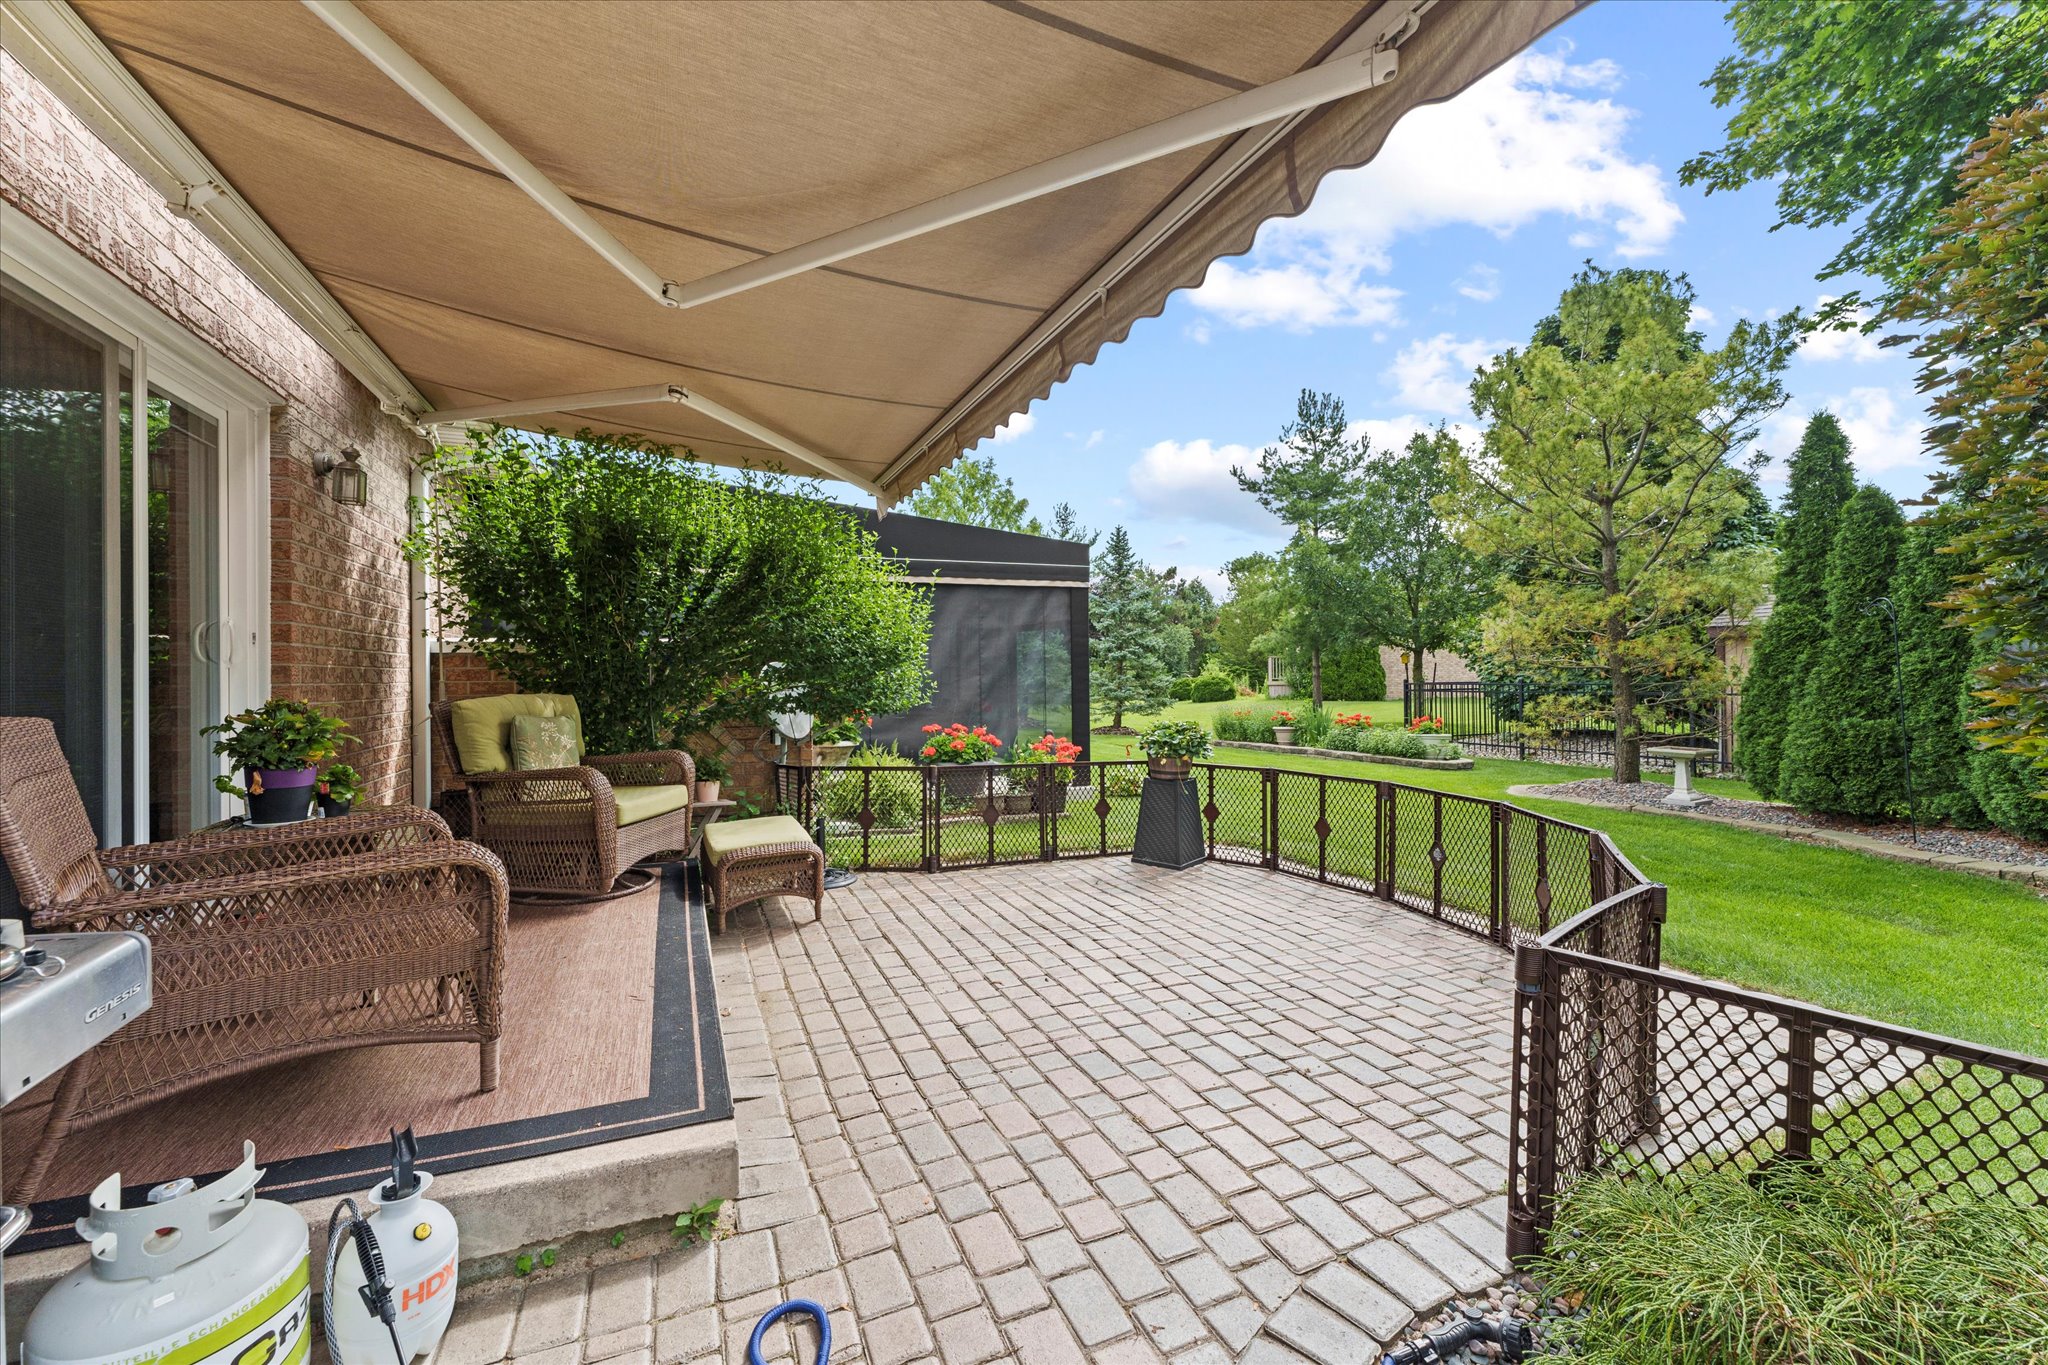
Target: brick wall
[(338, 585)]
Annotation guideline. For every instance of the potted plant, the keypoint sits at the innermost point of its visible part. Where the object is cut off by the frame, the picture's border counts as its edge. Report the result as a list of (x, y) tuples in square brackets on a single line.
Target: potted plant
[(1427, 725), (1052, 768), (279, 747), (962, 749), (1283, 727), (711, 771), (836, 742), (1172, 746), (339, 788)]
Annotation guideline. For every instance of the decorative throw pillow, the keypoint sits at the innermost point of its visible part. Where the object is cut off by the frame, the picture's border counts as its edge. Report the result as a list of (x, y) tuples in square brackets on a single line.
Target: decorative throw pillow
[(543, 742)]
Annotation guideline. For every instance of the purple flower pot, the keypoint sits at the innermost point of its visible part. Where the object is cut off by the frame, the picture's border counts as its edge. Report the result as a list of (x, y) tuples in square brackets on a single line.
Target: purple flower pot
[(279, 796)]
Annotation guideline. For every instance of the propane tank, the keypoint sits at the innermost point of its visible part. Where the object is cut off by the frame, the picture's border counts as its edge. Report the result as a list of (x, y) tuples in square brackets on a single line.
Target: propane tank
[(416, 1237), (210, 1276)]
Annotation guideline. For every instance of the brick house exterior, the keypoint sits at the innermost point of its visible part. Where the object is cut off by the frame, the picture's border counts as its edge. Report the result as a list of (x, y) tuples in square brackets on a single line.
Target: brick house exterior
[(338, 587)]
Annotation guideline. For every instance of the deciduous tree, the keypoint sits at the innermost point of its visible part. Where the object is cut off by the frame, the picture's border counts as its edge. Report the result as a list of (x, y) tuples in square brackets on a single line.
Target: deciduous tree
[(1861, 110), (1423, 587), (1984, 298), (1605, 475), (970, 491), (663, 599), (1820, 481), (1310, 480)]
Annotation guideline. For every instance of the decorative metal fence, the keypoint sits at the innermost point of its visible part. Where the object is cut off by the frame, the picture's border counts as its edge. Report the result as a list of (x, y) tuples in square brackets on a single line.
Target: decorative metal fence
[(1485, 720), (1486, 867), (1621, 1065)]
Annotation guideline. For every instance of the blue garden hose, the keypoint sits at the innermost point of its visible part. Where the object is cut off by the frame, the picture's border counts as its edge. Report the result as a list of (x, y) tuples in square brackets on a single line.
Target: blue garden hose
[(816, 1310)]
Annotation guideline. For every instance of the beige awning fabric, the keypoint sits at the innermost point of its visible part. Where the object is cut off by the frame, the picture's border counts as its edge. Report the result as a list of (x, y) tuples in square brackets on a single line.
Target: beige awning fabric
[(707, 135)]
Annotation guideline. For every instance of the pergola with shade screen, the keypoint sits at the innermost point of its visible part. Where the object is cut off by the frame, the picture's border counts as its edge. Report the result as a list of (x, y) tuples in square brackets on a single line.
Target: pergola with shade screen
[(849, 239)]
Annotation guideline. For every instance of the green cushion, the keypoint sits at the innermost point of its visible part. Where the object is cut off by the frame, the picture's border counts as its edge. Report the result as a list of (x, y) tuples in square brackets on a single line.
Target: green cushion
[(728, 837), (644, 803), (543, 742), (483, 726)]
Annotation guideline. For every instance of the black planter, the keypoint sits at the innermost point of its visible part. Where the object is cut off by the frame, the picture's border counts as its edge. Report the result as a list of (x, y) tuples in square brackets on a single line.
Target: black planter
[(966, 781), (286, 795), (330, 807), (1169, 824)]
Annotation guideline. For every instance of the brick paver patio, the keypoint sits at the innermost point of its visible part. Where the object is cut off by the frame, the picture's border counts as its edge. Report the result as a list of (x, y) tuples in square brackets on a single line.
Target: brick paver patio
[(1078, 1112)]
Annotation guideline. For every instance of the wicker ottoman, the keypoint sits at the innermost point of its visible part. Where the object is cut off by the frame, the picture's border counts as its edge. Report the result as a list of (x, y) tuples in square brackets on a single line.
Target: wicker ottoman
[(750, 860)]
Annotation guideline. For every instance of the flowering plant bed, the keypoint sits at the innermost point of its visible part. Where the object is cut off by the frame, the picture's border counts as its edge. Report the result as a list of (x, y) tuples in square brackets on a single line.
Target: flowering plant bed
[(1426, 725), (957, 743), (1356, 720)]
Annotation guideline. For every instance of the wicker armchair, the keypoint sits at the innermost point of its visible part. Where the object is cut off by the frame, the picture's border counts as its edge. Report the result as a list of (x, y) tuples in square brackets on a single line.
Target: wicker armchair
[(266, 944), (560, 831)]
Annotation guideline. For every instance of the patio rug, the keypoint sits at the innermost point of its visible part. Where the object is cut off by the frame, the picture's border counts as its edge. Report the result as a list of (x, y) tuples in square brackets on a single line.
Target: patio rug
[(611, 1031)]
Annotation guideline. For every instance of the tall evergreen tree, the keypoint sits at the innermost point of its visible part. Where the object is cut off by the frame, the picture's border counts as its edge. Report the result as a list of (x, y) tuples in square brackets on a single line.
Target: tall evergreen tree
[(1937, 663), (1842, 749), (1127, 669), (2006, 785), (1821, 480)]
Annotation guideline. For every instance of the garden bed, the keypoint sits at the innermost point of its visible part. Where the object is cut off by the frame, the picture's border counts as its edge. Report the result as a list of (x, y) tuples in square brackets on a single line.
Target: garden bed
[(1988, 852), (1441, 764)]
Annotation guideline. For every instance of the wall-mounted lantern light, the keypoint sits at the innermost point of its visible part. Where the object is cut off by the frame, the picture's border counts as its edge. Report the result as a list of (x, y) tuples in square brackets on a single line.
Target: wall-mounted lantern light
[(348, 483)]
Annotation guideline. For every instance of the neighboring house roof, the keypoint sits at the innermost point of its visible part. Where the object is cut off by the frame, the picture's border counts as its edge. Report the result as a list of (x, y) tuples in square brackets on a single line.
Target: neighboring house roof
[(412, 182), (1726, 622)]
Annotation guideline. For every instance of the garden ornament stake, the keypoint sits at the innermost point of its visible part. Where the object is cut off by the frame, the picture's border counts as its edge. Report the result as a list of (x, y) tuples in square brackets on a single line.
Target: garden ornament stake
[(1884, 606)]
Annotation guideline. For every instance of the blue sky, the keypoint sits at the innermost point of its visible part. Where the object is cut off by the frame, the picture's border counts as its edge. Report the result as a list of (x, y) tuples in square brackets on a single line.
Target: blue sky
[(1406, 272)]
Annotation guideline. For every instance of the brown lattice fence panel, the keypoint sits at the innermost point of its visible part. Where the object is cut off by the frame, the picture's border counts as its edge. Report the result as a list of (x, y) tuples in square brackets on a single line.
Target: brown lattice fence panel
[(1623, 1066)]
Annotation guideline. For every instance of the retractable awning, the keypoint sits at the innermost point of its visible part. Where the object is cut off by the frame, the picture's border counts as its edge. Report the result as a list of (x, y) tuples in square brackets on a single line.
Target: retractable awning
[(848, 238)]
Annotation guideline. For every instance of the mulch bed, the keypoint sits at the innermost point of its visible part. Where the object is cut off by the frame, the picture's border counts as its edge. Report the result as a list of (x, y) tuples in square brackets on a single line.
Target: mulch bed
[(1989, 845)]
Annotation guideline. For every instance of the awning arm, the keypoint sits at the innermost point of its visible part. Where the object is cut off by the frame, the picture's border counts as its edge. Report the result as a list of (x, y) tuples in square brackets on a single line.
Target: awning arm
[(1341, 75), (651, 393), (394, 61), (1334, 79)]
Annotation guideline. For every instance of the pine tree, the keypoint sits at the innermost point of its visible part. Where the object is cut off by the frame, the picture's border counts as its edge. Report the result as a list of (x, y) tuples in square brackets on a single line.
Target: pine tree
[(1127, 669), (1936, 651), (1821, 480), (1842, 747)]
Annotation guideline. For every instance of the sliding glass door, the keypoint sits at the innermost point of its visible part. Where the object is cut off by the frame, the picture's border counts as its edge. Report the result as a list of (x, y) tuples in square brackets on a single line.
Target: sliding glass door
[(110, 570)]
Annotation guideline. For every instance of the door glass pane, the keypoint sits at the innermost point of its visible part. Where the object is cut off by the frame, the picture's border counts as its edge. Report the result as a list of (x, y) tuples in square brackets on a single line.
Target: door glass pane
[(185, 633), (59, 466)]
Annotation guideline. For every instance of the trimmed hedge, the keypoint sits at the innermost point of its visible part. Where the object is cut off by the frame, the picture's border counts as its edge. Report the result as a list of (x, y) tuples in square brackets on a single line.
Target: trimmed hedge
[(1212, 687)]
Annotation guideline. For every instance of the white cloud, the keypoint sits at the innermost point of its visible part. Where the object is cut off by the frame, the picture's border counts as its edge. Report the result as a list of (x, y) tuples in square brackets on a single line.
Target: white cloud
[(1534, 138), (1191, 480), (1433, 372), (1585, 241), (1884, 432), (1197, 331), (1094, 439), (1700, 314), (1018, 425), (1853, 345), (1297, 296), (1481, 282)]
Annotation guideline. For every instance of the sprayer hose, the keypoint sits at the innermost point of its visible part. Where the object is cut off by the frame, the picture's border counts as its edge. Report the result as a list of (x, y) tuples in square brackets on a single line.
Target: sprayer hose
[(816, 1310)]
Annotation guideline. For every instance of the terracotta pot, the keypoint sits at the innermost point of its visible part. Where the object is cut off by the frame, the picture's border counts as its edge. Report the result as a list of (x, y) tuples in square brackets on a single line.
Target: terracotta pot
[(1169, 769), (707, 791)]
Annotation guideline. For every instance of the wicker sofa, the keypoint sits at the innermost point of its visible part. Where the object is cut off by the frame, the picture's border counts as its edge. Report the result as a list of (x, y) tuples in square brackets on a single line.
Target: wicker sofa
[(567, 834), (266, 944)]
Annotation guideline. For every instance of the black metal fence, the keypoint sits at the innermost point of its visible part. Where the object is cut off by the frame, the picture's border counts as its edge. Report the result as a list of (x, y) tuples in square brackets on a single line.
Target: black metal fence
[(1621, 1065), (1486, 867), (1489, 720)]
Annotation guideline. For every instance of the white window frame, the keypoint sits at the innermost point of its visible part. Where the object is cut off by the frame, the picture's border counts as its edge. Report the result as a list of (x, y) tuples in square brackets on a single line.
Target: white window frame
[(170, 358)]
